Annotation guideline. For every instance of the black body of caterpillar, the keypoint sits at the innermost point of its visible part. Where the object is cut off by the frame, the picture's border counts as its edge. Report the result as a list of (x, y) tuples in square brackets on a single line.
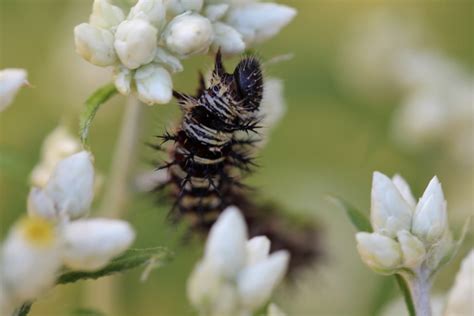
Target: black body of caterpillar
[(212, 151)]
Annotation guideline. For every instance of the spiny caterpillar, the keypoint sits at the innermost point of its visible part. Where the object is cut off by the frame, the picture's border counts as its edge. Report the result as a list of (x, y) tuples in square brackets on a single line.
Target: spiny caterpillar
[(212, 150)]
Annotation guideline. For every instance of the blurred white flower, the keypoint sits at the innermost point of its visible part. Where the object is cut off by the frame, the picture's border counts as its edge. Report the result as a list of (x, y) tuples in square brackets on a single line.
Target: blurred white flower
[(89, 244), (29, 261), (59, 144), (188, 34), (406, 234), (156, 34), (258, 22), (95, 45), (11, 80), (154, 84), (459, 301), (236, 276), (379, 252), (135, 43), (389, 212)]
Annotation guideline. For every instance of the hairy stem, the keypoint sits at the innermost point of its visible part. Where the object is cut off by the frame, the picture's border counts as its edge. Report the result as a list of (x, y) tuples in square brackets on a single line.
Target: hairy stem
[(101, 294), (420, 287)]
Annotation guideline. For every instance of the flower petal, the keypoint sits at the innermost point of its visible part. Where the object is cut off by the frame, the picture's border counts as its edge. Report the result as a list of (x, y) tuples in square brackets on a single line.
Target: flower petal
[(154, 84)]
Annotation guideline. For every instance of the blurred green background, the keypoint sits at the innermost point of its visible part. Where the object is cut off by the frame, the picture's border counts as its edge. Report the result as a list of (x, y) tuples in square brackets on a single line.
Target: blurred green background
[(330, 141)]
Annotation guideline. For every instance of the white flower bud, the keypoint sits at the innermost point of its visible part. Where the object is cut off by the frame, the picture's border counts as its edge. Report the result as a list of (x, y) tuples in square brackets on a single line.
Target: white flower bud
[(136, 42), (274, 310), (460, 296), (11, 80), (257, 282), (123, 79), (105, 15), (439, 250), (154, 84), (404, 190), (413, 250), (172, 63), (41, 205), (258, 22), (228, 39), (71, 186), (389, 210), (180, 6), (227, 301), (90, 244), (58, 145), (95, 45), (153, 11), (258, 249), (430, 219), (204, 283), (188, 34), (216, 12), (379, 252), (30, 259), (226, 244)]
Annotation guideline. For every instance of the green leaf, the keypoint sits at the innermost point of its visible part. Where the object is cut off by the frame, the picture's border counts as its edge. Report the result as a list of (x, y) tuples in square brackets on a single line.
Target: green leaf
[(406, 294), (131, 259), (93, 104), (23, 310), (358, 218)]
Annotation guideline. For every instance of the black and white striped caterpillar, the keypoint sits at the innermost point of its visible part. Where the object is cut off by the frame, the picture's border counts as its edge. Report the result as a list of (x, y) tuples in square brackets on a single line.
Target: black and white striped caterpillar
[(213, 148)]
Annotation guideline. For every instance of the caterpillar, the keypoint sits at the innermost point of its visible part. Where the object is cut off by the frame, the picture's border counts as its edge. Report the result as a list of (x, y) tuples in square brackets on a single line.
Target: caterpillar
[(213, 150)]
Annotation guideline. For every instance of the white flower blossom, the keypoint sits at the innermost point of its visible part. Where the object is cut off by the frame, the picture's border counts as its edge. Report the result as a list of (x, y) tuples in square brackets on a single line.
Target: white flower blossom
[(459, 301), (157, 34), (89, 244), (236, 276), (11, 80), (407, 235), (188, 34)]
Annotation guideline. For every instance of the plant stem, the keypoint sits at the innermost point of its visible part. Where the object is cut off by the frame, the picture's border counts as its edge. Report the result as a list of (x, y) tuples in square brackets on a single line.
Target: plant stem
[(101, 294), (420, 287)]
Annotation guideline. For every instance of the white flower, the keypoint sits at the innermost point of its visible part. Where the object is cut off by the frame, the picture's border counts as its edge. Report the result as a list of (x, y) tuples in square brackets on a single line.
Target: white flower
[(105, 15), (413, 250), (180, 6), (228, 250), (90, 244), (404, 190), (236, 276), (29, 260), (11, 80), (153, 11), (123, 79), (460, 296), (136, 42), (172, 63), (215, 12), (188, 34), (59, 144), (258, 22), (41, 205), (71, 186), (390, 212), (257, 282), (379, 252), (430, 220), (95, 45), (228, 39), (154, 84)]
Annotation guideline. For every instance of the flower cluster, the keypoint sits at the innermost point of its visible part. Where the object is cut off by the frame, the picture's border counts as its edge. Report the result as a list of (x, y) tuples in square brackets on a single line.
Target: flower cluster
[(56, 234), (437, 93), (236, 276), (407, 235), (11, 80), (147, 45)]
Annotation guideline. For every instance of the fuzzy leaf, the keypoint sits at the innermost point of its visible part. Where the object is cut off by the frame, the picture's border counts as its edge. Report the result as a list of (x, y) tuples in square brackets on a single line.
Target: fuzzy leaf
[(358, 219), (93, 103), (131, 259), (406, 294)]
